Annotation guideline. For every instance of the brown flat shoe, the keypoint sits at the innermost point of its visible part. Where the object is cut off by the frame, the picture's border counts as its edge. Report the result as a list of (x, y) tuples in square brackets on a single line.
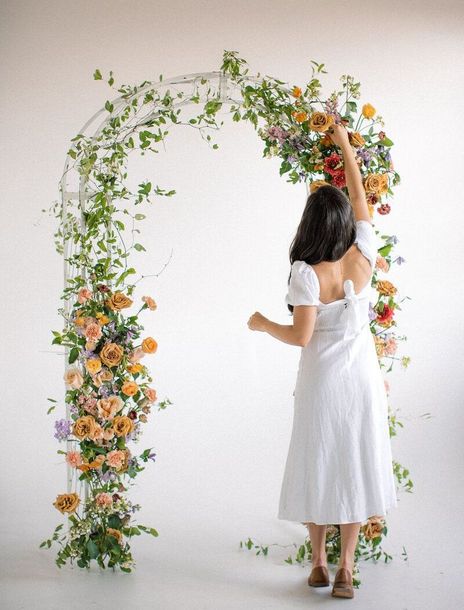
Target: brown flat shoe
[(319, 577), (343, 584)]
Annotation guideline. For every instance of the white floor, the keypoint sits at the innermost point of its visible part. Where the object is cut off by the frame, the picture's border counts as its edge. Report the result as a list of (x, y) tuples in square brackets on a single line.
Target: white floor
[(200, 566)]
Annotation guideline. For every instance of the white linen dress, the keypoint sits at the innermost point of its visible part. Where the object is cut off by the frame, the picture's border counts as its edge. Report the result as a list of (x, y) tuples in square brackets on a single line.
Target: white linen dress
[(339, 464)]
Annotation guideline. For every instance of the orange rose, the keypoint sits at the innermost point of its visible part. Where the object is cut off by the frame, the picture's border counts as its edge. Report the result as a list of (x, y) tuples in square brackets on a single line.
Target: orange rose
[(356, 139), (373, 528), (93, 365), (135, 368), (115, 533), (385, 287), (93, 465), (111, 354), (118, 301), (66, 503), (149, 345), (315, 184), (296, 92), (150, 303), (129, 388), (320, 121), (122, 425), (84, 427), (376, 184)]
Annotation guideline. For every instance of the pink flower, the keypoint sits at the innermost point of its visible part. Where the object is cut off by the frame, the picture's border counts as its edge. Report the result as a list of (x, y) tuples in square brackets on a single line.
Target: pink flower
[(390, 346), (387, 386), (136, 355), (115, 458), (93, 332), (150, 393), (103, 500), (382, 263), (83, 295), (74, 458)]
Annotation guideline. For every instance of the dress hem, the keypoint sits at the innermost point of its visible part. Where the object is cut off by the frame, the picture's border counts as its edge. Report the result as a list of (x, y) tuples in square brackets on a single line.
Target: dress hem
[(383, 512)]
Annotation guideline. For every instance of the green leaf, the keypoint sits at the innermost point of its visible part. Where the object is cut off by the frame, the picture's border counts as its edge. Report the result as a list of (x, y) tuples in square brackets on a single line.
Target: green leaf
[(140, 216), (73, 354), (109, 106), (97, 74), (139, 247), (92, 549)]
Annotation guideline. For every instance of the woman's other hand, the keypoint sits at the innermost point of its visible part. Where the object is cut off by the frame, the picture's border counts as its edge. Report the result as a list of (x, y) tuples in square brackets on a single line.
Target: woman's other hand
[(338, 134), (257, 321)]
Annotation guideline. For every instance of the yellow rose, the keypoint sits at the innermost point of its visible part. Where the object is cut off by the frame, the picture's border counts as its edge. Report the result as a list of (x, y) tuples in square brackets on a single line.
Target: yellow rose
[(149, 345), (135, 368), (102, 319), (111, 354), (316, 184), (129, 388), (376, 184), (66, 503), (356, 139), (385, 287), (84, 427), (122, 425), (368, 111), (93, 365), (118, 301), (320, 121)]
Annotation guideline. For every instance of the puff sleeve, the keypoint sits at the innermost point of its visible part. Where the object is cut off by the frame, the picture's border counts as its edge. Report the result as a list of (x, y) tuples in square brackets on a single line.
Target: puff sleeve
[(366, 241), (303, 288)]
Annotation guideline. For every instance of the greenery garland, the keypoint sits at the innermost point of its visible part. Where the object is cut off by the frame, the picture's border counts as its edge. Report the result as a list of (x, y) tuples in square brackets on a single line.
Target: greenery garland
[(108, 392)]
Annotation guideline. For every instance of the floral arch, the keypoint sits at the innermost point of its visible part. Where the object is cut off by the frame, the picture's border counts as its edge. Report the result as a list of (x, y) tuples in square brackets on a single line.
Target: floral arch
[(108, 396)]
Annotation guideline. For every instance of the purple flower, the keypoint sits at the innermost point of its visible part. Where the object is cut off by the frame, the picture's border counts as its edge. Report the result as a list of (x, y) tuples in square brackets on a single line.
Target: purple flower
[(103, 390), (277, 133), (62, 429), (372, 314), (151, 456), (291, 159), (392, 239), (400, 260), (88, 353)]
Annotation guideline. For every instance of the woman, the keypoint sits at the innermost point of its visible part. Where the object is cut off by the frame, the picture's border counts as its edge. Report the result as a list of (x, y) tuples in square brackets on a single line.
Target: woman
[(339, 464)]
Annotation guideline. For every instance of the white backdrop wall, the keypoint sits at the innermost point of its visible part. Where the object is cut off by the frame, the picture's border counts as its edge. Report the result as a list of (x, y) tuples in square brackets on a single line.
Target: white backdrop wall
[(221, 446)]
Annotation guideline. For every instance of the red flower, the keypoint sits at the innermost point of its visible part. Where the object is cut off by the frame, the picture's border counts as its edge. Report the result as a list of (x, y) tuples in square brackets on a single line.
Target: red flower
[(384, 209), (386, 315), (331, 163), (338, 178)]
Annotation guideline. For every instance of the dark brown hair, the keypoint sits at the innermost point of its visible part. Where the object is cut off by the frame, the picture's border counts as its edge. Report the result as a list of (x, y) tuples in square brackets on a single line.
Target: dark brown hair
[(327, 228)]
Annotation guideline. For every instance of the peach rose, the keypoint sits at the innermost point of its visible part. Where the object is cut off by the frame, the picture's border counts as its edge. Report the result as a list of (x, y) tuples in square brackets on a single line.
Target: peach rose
[(66, 503), (379, 346), (73, 377), (391, 346), (83, 295), (102, 376), (84, 427), (373, 528), (111, 354), (150, 303), (108, 434), (93, 331), (150, 393), (149, 345), (118, 301), (108, 407), (111, 531), (73, 458), (122, 425), (93, 365), (320, 121), (115, 458), (368, 111), (103, 500), (382, 263)]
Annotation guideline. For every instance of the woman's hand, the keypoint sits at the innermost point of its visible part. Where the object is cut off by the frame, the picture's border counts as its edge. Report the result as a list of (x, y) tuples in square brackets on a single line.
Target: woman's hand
[(257, 322), (338, 134)]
